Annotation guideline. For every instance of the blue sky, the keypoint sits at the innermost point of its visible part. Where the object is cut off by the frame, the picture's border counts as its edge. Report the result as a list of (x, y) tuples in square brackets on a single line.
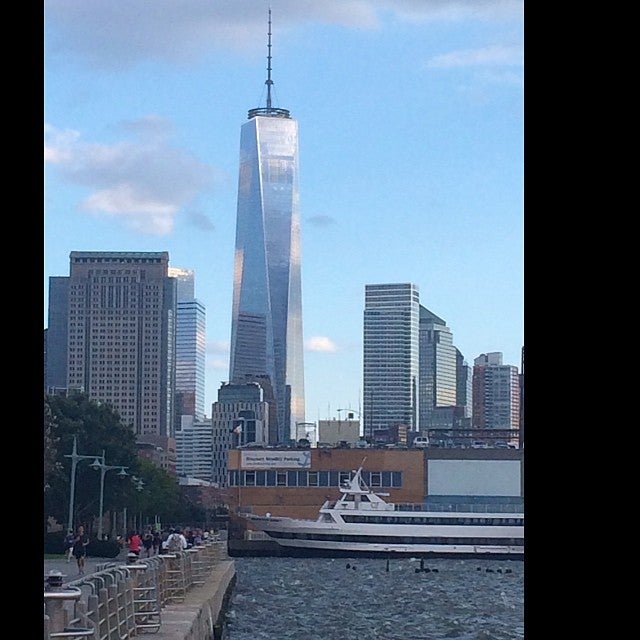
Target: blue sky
[(410, 118)]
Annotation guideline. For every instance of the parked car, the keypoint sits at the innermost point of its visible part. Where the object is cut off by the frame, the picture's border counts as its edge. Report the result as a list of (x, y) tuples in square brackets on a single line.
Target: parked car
[(420, 442)]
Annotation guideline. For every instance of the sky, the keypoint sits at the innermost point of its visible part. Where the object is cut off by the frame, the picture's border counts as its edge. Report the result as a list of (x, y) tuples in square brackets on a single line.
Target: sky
[(411, 155)]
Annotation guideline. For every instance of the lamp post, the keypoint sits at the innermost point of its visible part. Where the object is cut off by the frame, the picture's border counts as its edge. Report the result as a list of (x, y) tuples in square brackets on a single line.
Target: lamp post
[(139, 485), (99, 463), (75, 458)]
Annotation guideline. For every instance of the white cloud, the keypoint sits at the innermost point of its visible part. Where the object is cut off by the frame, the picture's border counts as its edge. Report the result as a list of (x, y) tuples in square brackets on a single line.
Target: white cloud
[(118, 34), (320, 343), (485, 57), (142, 183)]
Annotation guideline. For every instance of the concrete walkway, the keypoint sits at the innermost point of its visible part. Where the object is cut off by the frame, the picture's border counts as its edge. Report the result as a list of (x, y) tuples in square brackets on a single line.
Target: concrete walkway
[(69, 570), (193, 619)]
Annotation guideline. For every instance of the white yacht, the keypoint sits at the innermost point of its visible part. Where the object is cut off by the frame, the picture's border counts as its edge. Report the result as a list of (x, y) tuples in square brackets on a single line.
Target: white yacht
[(361, 522)]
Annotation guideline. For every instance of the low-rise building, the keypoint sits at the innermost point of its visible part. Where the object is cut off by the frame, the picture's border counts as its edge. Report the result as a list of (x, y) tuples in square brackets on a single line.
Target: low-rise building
[(296, 482)]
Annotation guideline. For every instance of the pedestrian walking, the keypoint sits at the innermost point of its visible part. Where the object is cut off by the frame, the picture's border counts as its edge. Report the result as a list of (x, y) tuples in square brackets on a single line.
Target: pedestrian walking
[(147, 543), (69, 540), (157, 542), (80, 549), (135, 542)]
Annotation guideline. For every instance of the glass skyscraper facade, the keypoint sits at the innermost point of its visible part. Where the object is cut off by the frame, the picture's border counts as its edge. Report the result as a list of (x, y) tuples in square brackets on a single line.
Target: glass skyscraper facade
[(391, 365), (437, 368), (190, 348), (266, 323)]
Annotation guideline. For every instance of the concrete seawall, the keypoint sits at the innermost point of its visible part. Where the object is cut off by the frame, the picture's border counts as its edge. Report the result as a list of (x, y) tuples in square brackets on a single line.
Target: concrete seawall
[(201, 615)]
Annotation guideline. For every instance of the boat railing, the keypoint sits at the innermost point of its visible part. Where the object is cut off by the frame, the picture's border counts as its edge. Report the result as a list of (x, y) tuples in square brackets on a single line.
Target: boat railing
[(408, 506), (459, 507)]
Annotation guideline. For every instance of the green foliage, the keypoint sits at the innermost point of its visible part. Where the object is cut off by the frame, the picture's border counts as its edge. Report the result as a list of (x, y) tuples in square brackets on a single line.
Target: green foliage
[(54, 544), (98, 428), (103, 548), (51, 465)]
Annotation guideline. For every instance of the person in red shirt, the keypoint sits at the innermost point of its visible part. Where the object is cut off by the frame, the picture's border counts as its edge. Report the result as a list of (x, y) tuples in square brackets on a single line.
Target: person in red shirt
[(135, 542)]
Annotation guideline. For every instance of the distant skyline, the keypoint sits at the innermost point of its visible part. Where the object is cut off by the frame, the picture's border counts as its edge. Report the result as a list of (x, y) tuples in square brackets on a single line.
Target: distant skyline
[(410, 118)]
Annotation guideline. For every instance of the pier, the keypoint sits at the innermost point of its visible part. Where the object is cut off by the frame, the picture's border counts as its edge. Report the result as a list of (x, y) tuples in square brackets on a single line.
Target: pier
[(174, 596)]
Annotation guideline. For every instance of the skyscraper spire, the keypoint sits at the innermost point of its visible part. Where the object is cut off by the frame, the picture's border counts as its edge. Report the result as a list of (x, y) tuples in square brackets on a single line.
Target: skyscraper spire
[(270, 111), (266, 314), (269, 81)]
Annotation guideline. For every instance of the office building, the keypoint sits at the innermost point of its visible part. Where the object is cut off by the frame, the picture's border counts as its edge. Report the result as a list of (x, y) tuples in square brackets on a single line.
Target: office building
[(56, 334), (194, 449), (333, 432), (266, 324), (112, 335), (496, 394), (190, 348), (390, 363), (437, 388), (521, 439), (239, 417), (464, 388)]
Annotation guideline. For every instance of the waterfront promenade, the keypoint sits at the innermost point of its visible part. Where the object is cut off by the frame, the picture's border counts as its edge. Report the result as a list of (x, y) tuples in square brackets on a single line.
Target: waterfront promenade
[(70, 570), (196, 617)]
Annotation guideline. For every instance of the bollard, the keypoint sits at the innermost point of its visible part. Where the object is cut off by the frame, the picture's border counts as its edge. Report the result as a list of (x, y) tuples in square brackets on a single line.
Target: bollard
[(55, 595)]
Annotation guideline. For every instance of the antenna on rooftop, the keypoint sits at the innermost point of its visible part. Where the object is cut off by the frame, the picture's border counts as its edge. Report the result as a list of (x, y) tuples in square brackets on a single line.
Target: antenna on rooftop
[(269, 110), (269, 81)]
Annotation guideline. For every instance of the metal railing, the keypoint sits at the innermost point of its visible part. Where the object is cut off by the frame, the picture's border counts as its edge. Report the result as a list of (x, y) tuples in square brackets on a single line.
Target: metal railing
[(121, 601)]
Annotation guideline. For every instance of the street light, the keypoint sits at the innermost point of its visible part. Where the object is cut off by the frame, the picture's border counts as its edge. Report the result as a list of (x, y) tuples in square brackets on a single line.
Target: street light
[(139, 485), (99, 463), (74, 463)]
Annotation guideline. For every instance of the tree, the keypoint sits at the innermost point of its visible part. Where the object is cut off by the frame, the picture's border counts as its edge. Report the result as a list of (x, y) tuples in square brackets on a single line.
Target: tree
[(51, 464), (161, 495), (97, 428)]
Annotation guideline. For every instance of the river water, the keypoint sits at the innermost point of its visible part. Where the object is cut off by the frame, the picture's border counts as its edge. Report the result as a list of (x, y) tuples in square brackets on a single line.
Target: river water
[(376, 599)]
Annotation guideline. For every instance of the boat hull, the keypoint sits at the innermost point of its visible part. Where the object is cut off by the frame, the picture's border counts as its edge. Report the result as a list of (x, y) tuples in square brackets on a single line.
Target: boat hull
[(270, 548), (309, 538)]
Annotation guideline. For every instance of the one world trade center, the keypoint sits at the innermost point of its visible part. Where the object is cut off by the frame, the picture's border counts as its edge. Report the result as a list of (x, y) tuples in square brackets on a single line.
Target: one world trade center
[(266, 324)]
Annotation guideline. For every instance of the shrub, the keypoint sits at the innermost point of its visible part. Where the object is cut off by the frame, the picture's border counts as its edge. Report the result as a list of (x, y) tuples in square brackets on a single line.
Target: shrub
[(103, 548), (54, 543)]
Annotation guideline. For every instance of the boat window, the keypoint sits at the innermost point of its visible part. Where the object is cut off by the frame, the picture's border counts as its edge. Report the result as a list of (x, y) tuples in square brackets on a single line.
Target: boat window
[(365, 499)]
